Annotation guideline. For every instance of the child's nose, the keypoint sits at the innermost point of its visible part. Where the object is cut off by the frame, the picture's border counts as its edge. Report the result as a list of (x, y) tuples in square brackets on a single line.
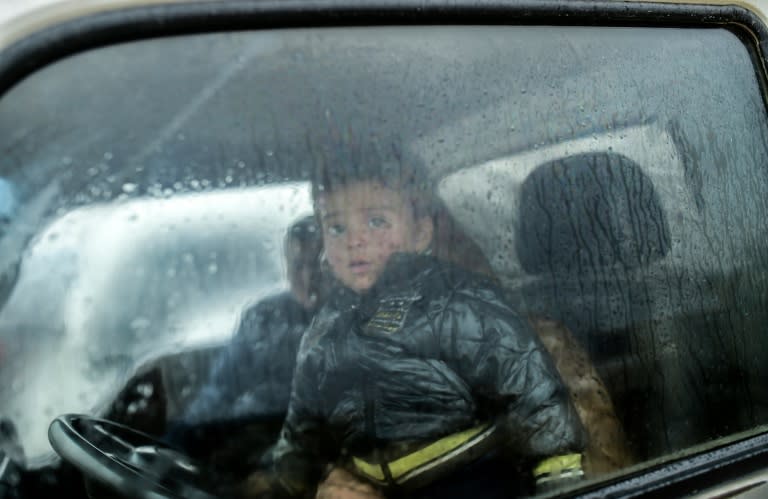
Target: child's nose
[(357, 237)]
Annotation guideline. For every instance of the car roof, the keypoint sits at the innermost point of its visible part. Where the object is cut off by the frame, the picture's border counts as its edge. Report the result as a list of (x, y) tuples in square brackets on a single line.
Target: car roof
[(20, 19)]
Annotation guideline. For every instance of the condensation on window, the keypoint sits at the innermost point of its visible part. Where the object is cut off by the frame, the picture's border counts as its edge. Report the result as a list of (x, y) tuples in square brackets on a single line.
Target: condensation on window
[(156, 218)]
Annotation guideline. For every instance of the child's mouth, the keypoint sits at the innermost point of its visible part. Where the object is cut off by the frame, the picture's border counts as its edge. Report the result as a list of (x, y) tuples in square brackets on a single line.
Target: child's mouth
[(359, 267)]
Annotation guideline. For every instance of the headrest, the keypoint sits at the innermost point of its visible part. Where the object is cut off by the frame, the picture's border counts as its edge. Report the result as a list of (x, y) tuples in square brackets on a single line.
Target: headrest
[(586, 212)]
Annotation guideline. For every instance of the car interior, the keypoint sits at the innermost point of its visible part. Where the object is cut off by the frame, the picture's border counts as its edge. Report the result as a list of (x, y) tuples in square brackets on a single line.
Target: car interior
[(602, 172)]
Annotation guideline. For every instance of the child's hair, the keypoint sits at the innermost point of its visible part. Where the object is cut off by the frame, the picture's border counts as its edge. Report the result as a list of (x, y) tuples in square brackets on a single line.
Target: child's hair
[(347, 160)]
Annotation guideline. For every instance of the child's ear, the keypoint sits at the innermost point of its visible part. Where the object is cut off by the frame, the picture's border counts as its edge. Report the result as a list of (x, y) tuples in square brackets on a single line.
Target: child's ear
[(425, 229)]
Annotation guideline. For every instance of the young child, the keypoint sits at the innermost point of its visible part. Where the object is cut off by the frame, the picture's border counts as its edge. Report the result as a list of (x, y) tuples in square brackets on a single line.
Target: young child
[(415, 377)]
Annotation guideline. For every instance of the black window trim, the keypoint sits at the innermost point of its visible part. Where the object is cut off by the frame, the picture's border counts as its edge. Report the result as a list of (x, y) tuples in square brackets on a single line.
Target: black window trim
[(716, 464), (130, 24)]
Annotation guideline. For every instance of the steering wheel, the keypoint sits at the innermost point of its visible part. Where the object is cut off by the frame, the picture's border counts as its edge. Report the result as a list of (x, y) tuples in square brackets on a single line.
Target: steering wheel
[(128, 461)]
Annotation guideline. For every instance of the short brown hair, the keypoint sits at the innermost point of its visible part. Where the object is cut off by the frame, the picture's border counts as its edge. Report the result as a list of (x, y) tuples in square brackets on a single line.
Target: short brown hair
[(348, 160)]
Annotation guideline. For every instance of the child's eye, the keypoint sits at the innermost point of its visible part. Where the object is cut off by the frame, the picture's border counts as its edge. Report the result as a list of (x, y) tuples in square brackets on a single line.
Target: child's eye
[(377, 222), (336, 230)]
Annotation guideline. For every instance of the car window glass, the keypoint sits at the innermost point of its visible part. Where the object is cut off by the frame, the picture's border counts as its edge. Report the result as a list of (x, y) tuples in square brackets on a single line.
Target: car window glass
[(610, 181)]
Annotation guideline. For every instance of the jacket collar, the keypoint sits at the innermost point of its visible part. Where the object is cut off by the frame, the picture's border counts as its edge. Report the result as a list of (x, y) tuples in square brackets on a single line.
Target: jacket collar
[(403, 273)]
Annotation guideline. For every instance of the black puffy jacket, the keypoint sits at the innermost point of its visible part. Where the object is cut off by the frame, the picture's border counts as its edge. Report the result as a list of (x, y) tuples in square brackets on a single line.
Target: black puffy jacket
[(428, 351), (252, 376)]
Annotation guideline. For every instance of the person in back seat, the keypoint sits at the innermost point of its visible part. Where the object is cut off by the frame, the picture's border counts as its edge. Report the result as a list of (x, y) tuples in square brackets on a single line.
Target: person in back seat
[(252, 376)]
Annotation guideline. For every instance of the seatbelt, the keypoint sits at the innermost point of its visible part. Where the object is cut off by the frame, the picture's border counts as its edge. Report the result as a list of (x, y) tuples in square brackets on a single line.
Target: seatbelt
[(431, 460), (557, 470)]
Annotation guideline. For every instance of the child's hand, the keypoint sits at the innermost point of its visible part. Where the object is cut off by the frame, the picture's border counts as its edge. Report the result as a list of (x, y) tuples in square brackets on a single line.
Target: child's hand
[(340, 484)]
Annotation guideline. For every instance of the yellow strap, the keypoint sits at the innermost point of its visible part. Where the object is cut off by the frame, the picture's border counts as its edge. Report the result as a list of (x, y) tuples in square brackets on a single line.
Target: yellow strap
[(368, 469), (406, 464), (557, 464), (434, 450)]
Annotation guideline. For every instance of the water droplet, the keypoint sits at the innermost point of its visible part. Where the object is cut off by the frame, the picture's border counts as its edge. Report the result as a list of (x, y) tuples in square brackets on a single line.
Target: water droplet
[(129, 187)]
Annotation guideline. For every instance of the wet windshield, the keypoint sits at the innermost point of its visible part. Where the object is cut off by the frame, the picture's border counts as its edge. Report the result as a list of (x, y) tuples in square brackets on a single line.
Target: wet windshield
[(609, 181)]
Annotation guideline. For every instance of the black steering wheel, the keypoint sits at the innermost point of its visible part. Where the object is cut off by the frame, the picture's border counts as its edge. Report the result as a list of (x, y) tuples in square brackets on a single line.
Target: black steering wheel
[(128, 461)]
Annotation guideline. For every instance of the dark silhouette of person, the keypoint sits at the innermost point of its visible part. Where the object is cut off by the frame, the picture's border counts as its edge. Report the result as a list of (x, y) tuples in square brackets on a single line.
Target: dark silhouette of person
[(251, 378)]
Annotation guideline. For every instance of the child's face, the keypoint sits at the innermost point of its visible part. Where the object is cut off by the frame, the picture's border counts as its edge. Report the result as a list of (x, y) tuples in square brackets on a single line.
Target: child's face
[(364, 223)]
